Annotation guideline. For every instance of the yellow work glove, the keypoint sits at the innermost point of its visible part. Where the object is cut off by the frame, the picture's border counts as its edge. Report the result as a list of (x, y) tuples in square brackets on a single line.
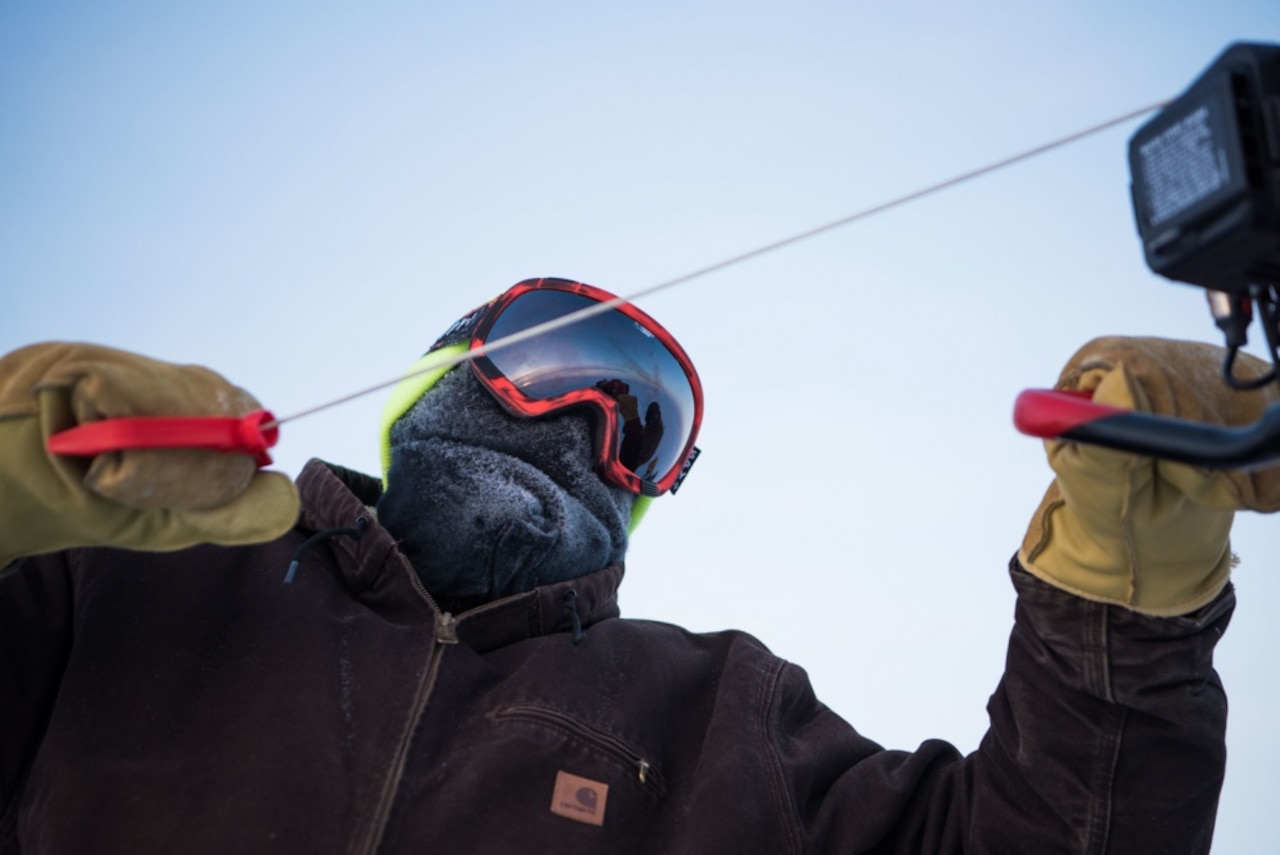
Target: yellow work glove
[(149, 499), (1146, 534)]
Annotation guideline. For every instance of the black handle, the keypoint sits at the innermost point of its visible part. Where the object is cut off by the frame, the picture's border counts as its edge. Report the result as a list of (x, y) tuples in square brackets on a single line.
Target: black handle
[(1051, 414)]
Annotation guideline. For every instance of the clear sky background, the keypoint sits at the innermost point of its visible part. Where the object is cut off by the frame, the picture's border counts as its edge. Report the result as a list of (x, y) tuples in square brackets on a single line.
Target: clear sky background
[(302, 195)]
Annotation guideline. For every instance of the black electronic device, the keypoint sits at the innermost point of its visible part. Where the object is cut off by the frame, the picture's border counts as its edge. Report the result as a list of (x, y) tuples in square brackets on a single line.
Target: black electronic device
[(1205, 178), (1205, 175)]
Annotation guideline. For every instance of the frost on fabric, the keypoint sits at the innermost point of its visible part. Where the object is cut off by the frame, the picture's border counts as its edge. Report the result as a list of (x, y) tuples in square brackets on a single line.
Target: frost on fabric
[(486, 504)]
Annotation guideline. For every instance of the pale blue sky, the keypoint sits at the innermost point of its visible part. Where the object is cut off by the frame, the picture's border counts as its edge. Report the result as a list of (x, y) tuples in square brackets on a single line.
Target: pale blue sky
[(303, 196)]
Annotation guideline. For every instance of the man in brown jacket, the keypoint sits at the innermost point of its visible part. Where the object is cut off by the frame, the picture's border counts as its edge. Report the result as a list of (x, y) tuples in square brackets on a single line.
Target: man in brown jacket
[(447, 669)]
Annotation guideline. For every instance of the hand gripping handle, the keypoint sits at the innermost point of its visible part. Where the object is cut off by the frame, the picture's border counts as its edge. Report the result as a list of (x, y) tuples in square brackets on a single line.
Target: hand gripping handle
[(1050, 414), (244, 435)]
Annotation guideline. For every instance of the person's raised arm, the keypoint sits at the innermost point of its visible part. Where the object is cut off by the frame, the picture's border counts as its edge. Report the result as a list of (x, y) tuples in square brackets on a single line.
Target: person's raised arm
[(1107, 729), (1128, 756)]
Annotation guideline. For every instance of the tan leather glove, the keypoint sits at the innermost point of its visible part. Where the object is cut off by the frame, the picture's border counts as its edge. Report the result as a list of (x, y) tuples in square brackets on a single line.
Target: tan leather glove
[(1150, 535), (146, 499)]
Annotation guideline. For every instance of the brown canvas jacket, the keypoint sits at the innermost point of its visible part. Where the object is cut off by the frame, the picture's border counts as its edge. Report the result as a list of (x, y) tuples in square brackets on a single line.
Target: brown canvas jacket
[(190, 702)]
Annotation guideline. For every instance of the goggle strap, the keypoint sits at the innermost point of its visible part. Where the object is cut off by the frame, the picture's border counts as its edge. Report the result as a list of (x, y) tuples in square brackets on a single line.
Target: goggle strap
[(684, 470), (638, 509)]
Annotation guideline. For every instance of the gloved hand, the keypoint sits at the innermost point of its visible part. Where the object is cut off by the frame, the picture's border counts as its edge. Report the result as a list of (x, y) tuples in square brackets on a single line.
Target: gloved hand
[(1149, 535), (149, 499)]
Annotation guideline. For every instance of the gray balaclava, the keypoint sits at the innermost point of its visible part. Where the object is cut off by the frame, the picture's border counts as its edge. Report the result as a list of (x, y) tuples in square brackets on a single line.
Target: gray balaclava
[(487, 504)]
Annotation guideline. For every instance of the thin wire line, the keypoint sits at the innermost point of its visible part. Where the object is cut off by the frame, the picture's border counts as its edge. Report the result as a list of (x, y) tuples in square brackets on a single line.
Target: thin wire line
[(450, 360)]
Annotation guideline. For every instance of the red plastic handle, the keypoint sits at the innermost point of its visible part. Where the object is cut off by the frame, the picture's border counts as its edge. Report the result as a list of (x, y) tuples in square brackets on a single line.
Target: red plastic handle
[(1074, 416), (243, 435), (1049, 413)]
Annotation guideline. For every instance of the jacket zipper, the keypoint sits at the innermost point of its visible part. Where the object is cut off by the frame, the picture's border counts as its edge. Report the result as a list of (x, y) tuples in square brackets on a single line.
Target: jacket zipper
[(648, 776), (446, 635)]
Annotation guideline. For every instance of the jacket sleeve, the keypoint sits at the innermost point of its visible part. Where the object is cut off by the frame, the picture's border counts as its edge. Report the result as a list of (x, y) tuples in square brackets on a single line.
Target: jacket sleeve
[(1106, 736), (35, 639)]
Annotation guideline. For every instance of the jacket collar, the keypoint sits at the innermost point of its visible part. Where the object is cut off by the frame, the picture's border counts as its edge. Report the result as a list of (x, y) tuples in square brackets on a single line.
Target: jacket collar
[(380, 576), (542, 611)]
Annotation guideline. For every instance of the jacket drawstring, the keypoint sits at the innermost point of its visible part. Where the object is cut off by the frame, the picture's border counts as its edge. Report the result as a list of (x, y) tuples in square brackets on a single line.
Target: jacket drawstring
[(355, 532), (570, 600)]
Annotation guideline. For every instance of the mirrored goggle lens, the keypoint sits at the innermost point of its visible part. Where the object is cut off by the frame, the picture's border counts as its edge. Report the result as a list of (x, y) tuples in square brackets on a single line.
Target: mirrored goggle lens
[(610, 352)]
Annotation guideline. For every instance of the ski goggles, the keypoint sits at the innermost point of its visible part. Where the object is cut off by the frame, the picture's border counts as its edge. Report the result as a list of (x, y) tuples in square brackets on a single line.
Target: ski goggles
[(619, 362)]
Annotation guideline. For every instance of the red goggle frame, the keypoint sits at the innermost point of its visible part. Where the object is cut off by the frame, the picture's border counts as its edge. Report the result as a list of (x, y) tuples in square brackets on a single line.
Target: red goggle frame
[(619, 362)]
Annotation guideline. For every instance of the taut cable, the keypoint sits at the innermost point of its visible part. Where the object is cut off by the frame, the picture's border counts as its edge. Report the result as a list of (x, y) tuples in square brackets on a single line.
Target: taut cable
[(449, 361)]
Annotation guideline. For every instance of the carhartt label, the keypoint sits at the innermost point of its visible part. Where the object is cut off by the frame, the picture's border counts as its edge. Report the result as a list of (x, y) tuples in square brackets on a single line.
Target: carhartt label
[(579, 799)]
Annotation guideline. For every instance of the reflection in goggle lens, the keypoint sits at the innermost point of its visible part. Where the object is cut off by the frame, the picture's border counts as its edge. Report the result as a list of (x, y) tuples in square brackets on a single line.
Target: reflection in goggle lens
[(609, 351)]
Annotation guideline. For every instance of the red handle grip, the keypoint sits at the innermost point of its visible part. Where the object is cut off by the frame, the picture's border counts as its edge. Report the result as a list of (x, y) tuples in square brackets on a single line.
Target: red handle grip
[(1075, 417), (1049, 413), (243, 435)]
